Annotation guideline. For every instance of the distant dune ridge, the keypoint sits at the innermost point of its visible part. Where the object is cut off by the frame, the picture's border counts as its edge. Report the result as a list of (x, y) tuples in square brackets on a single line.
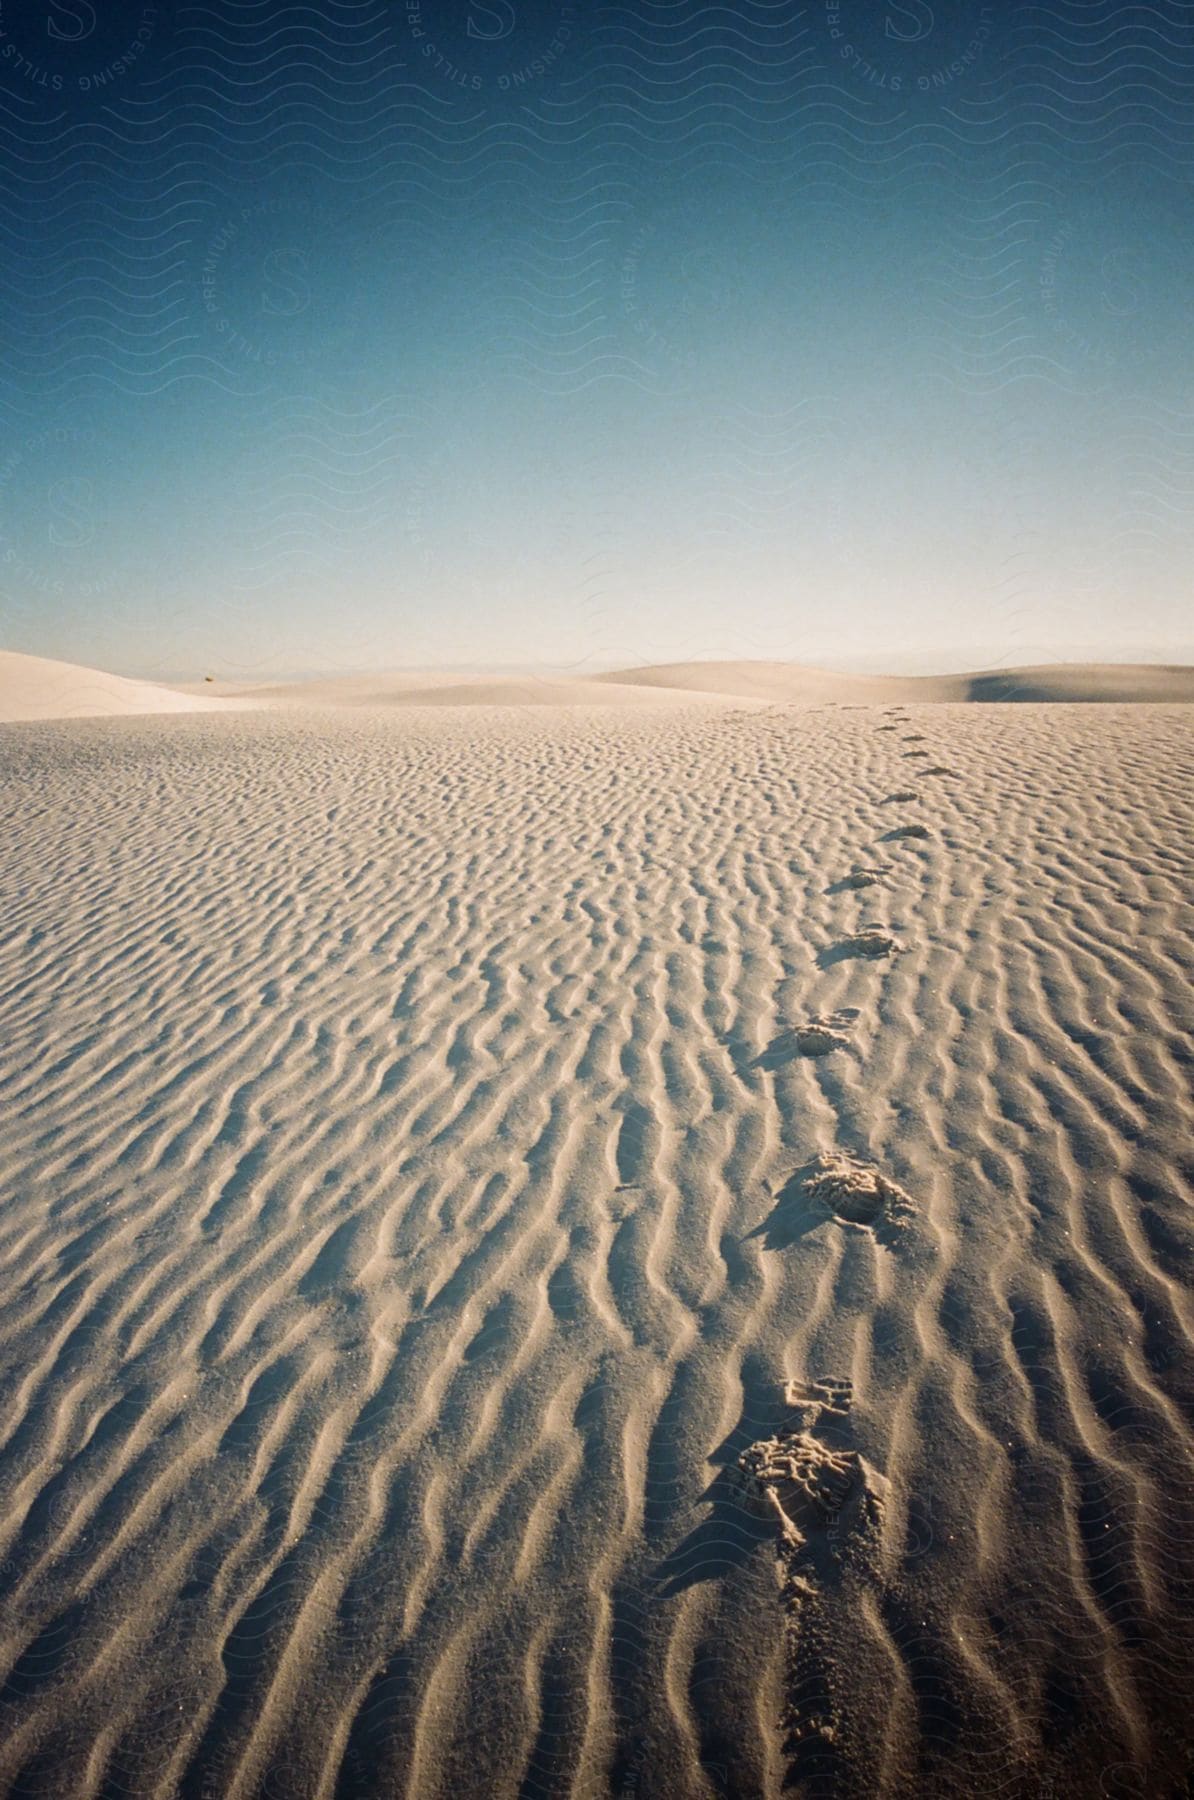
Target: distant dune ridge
[(637, 1249), (33, 687), (777, 681)]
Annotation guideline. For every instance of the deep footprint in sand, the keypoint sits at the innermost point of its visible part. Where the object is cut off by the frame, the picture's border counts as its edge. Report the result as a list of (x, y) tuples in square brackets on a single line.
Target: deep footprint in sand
[(815, 1037), (852, 1192), (901, 795), (805, 1485), (828, 1506), (870, 941), (939, 769), (907, 831), (818, 1036)]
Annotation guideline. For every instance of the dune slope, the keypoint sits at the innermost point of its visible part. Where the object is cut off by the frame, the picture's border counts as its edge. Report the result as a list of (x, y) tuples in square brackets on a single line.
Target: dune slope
[(36, 687), (779, 682), (642, 1252), (418, 688)]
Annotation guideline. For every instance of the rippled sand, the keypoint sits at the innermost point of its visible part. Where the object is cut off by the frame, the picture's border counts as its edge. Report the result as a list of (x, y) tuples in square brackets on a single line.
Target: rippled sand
[(568, 1252)]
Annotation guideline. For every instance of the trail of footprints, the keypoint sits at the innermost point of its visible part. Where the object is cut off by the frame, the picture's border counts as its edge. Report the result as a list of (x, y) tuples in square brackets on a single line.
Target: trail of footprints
[(826, 1500), (382, 1163)]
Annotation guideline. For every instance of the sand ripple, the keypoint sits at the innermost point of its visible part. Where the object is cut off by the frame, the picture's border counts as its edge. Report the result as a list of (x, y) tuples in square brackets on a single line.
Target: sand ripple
[(395, 1264)]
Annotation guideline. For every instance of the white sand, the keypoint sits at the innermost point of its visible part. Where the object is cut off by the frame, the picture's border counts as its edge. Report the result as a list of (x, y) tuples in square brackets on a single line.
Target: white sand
[(421, 1193), (35, 687)]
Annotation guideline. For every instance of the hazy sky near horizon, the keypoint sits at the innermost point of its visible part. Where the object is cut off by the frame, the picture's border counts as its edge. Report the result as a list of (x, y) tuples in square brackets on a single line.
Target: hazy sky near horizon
[(394, 332)]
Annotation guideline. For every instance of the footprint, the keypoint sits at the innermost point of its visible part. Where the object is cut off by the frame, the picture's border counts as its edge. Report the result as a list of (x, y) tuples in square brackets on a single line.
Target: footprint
[(828, 1505), (914, 737), (901, 795), (906, 831), (805, 1485), (815, 1037), (838, 1392), (855, 1195), (870, 942), (828, 1393), (818, 1036), (853, 1192), (859, 878), (804, 1405), (910, 753), (939, 769), (887, 728)]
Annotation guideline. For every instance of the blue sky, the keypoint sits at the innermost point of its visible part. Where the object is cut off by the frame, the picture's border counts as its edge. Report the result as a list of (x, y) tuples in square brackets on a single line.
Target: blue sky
[(385, 334)]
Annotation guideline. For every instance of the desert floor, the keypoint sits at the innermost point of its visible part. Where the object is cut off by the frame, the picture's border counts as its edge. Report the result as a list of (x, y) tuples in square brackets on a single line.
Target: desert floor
[(459, 1335)]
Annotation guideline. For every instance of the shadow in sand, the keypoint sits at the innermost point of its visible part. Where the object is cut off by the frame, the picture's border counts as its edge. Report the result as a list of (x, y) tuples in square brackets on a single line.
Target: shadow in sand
[(859, 878), (794, 1214), (732, 1533), (727, 1538)]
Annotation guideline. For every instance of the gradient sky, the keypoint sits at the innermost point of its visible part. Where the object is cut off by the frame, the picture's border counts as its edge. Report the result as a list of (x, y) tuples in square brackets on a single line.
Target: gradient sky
[(394, 333)]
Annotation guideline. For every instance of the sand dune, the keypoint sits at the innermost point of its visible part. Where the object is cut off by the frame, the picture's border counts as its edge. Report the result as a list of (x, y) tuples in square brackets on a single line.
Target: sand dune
[(777, 681), (35, 687), (1086, 681), (574, 1252), (410, 689), (752, 683)]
